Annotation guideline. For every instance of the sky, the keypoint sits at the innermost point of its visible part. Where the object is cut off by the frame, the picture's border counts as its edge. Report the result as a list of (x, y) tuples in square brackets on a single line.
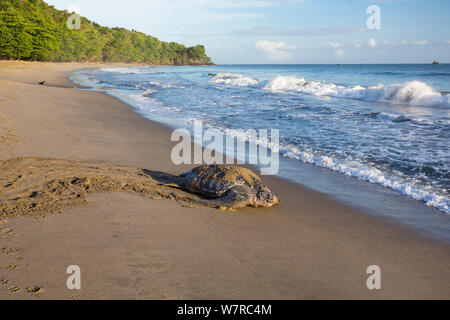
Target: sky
[(287, 31)]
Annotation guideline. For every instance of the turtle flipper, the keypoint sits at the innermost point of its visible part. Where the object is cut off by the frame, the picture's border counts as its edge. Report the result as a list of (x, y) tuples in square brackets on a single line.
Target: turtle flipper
[(172, 185), (236, 197)]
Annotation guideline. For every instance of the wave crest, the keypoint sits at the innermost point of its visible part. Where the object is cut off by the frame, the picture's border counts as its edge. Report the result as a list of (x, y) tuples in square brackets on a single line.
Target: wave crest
[(429, 195), (413, 93), (124, 70), (235, 79)]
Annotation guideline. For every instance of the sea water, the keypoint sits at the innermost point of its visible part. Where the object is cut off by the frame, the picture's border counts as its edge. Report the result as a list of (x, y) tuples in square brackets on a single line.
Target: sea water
[(387, 125)]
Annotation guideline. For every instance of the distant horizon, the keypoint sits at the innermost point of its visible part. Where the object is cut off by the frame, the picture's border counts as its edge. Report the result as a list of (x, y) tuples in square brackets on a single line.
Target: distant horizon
[(288, 64)]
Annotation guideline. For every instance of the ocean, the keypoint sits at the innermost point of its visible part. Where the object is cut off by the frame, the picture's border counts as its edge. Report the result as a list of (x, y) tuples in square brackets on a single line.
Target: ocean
[(384, 125)]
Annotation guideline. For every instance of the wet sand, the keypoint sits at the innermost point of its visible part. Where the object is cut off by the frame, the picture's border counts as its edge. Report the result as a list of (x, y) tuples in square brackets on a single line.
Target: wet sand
[(130, 245)]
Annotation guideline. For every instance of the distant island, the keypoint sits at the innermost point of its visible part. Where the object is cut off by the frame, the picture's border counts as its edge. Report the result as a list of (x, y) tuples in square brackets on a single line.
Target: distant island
[(435, 62), (36, 31)]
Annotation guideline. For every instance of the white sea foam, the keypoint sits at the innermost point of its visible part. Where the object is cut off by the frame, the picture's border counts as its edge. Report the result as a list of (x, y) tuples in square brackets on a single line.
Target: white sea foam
[(124, 70), (144, 101), (148, 92), (235, 80), (165, 84), (431, 196), (387, 116), (412, 93)]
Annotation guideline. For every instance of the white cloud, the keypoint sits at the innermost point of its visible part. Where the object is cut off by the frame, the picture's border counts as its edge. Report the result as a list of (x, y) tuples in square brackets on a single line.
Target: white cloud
[(339, 53), (329, 44), (298, 32), (239, 3), (332, 44), (416, 43), (274, 50), (420, 42), (372, 43)]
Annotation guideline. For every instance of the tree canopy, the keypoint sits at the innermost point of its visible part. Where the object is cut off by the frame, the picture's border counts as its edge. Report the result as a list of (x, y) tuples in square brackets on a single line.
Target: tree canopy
[(34, 30)]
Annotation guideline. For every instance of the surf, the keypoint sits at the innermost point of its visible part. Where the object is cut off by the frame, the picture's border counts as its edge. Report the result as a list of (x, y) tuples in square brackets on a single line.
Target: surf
[(414, 93)]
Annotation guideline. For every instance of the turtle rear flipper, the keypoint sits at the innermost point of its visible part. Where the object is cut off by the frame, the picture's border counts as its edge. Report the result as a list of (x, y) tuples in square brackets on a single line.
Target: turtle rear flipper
[(172, 185)]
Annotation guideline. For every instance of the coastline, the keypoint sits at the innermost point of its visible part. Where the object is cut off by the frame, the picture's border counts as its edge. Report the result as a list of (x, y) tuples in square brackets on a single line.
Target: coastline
[(363, 187), (132, 247)]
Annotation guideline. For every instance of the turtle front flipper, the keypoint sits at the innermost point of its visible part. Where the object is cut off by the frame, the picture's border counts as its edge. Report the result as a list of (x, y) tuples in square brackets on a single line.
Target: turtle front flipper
[(236, 197)]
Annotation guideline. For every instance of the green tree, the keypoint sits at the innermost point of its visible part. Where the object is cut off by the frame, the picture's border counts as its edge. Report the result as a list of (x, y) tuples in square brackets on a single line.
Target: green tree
[(33, 30)]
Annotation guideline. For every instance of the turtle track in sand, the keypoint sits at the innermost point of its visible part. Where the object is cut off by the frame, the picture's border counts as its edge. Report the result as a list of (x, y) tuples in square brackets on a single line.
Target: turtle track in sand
[(38, 186)]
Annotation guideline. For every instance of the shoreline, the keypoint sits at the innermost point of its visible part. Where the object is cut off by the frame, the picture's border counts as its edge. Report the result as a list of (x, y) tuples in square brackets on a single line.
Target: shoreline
[(392, 205), (309, 247)]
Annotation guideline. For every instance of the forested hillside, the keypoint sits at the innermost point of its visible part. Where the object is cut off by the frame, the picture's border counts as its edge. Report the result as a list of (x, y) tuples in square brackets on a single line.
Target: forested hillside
[(33, 30)]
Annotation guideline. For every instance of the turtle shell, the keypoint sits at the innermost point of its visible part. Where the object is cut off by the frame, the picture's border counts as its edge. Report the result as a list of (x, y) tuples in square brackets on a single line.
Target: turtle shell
[(213, 181)]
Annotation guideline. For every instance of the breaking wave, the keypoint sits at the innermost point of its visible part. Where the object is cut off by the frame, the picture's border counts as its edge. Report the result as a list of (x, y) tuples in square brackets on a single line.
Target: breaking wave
[(413, 93), (125, 70), (431, 196)]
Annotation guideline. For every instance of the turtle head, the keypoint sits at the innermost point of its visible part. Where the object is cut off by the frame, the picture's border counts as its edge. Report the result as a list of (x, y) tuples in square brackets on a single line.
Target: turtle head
[(265, 198)]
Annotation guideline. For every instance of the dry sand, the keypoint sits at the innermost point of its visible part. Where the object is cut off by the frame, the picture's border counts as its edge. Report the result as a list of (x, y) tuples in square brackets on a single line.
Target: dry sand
[(130, 246)]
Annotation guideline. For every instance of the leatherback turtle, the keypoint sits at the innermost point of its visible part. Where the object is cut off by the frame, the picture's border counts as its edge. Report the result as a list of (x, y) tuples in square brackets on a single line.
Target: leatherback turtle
[(228, 186)]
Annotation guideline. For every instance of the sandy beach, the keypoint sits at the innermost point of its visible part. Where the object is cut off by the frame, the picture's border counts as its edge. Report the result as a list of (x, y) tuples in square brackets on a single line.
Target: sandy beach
[(134, 239)]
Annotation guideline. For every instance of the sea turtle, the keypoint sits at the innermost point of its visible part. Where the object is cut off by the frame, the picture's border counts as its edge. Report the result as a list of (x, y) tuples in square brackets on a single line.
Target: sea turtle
[(228, 186)]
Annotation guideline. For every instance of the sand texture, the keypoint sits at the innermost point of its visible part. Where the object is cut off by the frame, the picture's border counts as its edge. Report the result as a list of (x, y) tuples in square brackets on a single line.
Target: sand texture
[(38, 186)]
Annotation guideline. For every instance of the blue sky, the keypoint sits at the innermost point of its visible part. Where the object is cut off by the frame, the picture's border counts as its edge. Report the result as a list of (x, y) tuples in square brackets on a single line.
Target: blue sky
[(286, 31)]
